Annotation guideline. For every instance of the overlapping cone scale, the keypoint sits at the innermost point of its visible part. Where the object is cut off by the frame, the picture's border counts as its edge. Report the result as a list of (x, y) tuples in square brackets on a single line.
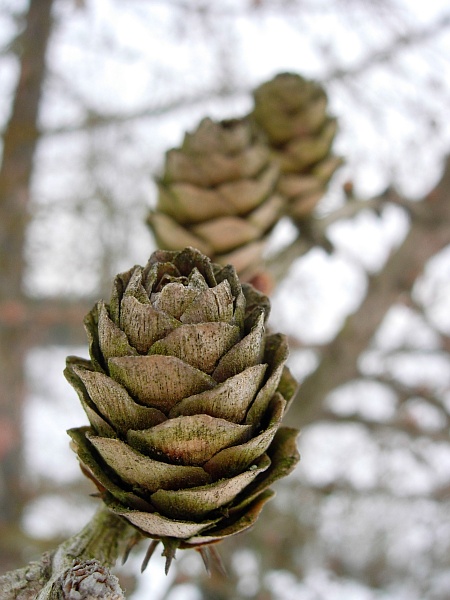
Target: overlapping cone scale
[(292, 112), (217, 193), (185, 393)]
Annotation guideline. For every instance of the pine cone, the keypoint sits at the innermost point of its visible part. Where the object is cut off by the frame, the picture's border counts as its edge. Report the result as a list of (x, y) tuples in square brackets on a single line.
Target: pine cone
[(185, 394), (292, 112), (217, 195)]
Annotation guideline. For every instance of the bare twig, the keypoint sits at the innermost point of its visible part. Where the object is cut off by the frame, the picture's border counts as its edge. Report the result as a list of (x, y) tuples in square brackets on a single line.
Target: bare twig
[(97, 120), (339, 363), (77, 568)]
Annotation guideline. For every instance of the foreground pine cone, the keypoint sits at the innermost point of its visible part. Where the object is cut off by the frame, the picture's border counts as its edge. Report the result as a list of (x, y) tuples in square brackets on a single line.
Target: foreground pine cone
[(217, 194), (185, 393), (292, 112)]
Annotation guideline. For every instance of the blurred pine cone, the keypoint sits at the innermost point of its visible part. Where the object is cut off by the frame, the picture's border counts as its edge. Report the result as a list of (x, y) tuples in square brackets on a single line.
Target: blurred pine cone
[(185, 393), (217, 195), (292, 112)]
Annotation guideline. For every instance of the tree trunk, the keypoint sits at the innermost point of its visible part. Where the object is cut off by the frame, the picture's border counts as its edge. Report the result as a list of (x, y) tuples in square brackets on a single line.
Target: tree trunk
[(19, 145)]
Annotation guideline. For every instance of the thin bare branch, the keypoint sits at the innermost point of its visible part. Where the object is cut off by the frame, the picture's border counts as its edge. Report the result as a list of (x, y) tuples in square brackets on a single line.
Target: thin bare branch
[(339, 363), (96, 119), (77, 568)]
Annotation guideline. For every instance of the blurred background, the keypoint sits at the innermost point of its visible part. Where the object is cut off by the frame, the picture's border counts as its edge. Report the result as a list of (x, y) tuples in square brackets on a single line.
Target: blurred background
[(92, 94)]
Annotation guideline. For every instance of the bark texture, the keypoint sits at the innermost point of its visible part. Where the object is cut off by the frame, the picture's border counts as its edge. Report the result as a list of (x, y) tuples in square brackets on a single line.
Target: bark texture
[(78, 569)]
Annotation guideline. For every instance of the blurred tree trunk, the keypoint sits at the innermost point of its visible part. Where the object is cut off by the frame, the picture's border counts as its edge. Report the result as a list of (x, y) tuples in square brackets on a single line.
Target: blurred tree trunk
[(19, 145)]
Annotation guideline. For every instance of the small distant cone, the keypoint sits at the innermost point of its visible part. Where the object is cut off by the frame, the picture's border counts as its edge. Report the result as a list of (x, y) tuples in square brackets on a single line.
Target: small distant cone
[(292, 112), (217, 194)]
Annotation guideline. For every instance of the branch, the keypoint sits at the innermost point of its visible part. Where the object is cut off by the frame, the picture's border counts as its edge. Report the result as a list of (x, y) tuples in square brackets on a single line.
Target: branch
[(410, 428), (77, 568), (404, 393), (429, 233), (47, 320), (314, 233), (439, 494), (98, 120), (385, 55)]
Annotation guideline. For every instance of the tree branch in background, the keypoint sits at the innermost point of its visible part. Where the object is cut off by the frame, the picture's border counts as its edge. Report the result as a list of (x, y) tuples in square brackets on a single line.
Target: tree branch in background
[(314, 233), (429, 233), (47, 321), (385, 55), (96, 119)]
